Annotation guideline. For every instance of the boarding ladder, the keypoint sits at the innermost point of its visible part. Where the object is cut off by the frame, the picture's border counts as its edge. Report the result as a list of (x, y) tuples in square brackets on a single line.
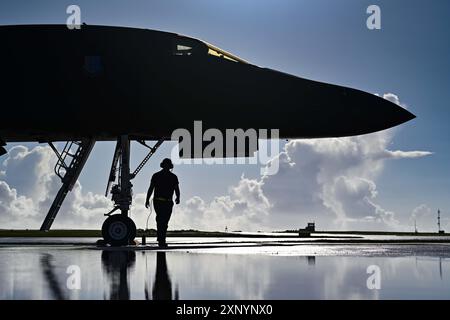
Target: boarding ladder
[(68, 168)]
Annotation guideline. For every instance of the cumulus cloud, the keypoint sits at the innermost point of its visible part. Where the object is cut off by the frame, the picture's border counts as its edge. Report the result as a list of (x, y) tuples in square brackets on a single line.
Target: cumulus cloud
[(421, 211), (244, 208), (13, 206), (29, 171), (330, 181), (393, 98), (28, 187)]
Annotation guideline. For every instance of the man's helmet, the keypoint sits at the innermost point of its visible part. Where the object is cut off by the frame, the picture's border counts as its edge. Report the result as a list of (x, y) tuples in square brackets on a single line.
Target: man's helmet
[(166, 164)]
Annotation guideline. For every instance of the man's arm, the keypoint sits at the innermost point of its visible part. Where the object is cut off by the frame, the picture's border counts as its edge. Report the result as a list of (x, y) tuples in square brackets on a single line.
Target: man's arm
[(177, 193), (149, 194)]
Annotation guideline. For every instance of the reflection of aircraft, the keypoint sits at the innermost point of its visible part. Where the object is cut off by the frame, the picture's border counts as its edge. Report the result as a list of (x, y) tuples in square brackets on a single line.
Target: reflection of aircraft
[(50, 277), (122, 84), (116, 265), (162, 286)]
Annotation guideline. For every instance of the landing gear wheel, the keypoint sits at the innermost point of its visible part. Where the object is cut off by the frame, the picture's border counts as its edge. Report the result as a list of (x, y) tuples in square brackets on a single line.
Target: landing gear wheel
[(118, 230)]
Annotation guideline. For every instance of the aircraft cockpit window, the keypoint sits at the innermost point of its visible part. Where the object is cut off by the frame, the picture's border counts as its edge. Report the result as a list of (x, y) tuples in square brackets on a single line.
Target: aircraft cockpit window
[(182, 46), (183, 50), (219, 53)]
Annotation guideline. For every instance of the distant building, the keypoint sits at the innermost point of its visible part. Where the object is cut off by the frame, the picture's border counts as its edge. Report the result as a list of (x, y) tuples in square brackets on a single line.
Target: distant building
[(310, 227)]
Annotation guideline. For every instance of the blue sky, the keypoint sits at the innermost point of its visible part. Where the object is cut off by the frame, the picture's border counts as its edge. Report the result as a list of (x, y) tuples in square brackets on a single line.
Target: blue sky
[(323, 40)]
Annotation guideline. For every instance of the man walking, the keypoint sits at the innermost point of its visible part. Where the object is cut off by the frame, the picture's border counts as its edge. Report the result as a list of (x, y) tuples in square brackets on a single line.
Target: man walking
[(164, 183)]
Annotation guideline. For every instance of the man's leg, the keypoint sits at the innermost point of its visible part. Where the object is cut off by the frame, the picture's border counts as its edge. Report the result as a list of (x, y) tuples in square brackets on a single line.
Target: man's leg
[(159, 227), (159, 219), (163, 213), (165, 221), (166, 212)]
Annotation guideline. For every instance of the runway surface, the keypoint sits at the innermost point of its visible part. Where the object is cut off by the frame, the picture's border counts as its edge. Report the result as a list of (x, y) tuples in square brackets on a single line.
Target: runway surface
[(226, 268)]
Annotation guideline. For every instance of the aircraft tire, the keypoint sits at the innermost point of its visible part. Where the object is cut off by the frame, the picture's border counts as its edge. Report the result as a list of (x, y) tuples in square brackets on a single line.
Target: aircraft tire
[(118, 230)]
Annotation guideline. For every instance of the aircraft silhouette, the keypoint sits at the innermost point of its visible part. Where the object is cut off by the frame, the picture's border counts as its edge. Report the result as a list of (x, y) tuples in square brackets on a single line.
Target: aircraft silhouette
[(104, 83)]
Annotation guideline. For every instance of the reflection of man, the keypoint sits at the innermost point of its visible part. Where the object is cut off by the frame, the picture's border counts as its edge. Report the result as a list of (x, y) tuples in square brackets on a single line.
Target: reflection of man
[(164, 183), (162, 288)]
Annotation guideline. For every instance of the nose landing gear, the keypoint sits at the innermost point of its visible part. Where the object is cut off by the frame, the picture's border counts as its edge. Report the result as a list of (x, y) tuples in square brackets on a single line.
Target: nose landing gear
[(119, 229)]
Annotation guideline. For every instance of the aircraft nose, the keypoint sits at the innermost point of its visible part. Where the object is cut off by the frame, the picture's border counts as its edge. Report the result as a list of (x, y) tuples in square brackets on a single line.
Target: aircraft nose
[(323, 110), (400, 115), (376, 113)]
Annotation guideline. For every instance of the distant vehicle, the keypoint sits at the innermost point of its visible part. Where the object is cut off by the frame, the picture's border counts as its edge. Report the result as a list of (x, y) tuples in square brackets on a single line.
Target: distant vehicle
[(121, 84)]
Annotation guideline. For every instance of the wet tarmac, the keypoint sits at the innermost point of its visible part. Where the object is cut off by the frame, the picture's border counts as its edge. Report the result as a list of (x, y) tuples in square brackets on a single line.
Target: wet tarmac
[(224, 268)]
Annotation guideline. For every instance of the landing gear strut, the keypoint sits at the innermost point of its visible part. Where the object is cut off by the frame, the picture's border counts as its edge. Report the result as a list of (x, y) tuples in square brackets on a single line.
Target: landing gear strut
[(119, 229)]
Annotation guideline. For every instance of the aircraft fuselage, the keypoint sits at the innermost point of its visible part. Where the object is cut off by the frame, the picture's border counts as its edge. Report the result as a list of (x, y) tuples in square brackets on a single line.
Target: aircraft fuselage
[(59, 84)]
